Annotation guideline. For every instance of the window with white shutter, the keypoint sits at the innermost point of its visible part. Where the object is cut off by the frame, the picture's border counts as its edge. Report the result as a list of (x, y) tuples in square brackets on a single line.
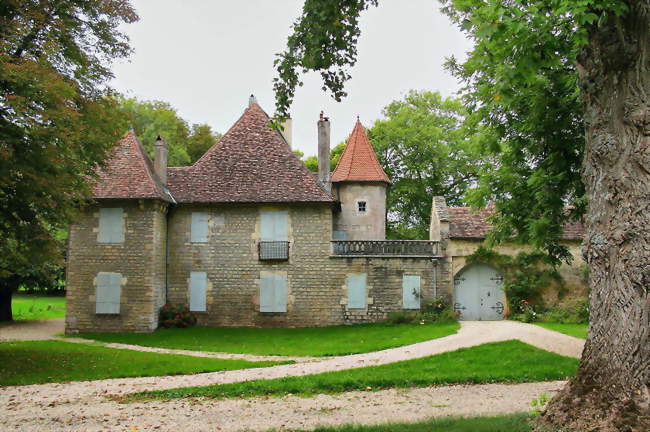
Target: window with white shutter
[(411, 292), (108, 293), (356, 291), (273, 293), (198, 291), (274, 235), (111, 225), (199, 229)]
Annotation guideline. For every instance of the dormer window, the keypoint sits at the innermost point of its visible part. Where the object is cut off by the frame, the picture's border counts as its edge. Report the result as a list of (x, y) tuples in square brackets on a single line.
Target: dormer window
[(361, 206)]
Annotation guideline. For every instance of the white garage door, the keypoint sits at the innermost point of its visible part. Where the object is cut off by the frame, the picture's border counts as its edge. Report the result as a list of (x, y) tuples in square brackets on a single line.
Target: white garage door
[(478, 294)]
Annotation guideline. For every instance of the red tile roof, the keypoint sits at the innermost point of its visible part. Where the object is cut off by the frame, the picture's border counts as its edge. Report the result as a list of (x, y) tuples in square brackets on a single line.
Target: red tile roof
[(358, 161), (129, 173), (251, 163), (470, 223)]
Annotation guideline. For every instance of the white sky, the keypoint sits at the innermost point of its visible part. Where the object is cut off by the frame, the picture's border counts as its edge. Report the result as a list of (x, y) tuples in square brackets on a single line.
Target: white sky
[(205, 57)]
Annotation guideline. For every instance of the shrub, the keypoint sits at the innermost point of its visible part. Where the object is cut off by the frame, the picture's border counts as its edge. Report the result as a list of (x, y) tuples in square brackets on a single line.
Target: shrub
[(436, 310), (176, 316), (574, 312), (525, 312)]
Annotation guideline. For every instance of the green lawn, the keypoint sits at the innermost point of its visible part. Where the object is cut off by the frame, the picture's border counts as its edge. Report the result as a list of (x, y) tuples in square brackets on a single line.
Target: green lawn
[(54, 361), (36, 307), (575, 330), (509, 361), (312, 341), (503, 423)]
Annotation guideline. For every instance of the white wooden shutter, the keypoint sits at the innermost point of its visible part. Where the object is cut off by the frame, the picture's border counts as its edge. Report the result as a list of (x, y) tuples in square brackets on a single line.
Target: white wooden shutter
[(281, 225), (199, 229), (356, 291), (107, 294), (267, 293), (274, 225), (111, 225), (198, 288), (411, 292), (280, 291)]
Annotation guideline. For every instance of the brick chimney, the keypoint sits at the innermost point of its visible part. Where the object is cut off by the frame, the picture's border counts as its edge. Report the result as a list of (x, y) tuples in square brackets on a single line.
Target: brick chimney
[(324, 152), (160, 159)]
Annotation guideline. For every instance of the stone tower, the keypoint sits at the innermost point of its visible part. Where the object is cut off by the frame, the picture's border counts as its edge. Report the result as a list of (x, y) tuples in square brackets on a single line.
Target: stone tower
[(359, 183)]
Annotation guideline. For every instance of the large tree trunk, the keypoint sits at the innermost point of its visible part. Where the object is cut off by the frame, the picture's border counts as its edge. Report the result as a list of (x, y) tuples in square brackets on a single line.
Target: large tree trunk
[(610, 391), (5, 304)]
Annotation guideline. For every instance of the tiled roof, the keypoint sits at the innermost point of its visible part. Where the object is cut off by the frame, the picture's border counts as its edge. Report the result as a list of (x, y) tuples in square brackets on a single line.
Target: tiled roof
[(250, 163), (129, 173), (469, 223), (358, 161)]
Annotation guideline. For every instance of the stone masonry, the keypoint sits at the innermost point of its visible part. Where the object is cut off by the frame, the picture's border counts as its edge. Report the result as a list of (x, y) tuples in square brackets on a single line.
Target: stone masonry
[(317, 291), (140, 259)]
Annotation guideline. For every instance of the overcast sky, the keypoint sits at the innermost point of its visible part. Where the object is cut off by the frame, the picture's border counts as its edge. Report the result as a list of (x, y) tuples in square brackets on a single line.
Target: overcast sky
[(205, 57)]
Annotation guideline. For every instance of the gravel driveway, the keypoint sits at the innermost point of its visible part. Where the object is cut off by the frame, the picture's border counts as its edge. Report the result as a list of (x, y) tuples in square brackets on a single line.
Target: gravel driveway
[(73, 406)]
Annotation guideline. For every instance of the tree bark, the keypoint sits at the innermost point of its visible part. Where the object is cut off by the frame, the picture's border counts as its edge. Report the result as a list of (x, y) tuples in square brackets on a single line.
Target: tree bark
[(5, 305), (610, 391)]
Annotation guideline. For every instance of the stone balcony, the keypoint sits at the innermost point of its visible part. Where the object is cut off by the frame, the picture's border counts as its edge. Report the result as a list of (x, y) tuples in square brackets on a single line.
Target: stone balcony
[(386, 248)]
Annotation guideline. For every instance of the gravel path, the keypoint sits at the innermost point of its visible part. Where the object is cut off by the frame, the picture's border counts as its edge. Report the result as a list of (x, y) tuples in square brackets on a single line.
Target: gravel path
[(83, 406), (290, 412), (32, 330)]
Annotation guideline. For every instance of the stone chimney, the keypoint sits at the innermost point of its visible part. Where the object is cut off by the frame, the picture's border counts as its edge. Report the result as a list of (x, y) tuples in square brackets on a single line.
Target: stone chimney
[(286, 131), (160, 159), (439, 228), (251, 100), (324, 152)]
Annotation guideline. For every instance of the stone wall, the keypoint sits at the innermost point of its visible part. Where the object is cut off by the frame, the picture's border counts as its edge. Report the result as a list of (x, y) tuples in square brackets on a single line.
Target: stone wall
[(368, 225), (317, 291), (140, 259), (573, 275)]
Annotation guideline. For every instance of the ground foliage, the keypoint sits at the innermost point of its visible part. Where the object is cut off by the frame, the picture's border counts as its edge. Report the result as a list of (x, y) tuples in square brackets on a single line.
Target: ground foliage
[(34, 362), (57, 123), (509, 361), (306, 341)]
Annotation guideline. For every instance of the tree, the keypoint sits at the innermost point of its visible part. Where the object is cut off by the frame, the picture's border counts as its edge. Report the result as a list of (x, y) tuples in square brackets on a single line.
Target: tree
[(57, 123), (149, 119), (312, 161), (427, 148), (200, 140), (521, 45)]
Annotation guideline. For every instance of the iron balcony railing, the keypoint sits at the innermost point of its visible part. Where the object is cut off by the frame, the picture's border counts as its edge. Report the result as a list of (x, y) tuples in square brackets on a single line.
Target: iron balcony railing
[(385, 248), (274, 250)]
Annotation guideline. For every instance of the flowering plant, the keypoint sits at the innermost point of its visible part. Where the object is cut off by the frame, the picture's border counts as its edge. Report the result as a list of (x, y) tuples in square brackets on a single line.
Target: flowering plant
[(176, 316)]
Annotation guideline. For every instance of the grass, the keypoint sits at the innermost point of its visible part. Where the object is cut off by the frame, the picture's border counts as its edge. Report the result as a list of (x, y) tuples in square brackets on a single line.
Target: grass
[(37, 307), (509, 361), (575, 330), (36, 362), (502, 423), (312, 341)]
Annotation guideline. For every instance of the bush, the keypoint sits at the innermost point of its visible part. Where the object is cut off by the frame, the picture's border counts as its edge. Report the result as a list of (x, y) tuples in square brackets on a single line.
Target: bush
[(574, 312), (525, 312), (436, 310), (176, 316)]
